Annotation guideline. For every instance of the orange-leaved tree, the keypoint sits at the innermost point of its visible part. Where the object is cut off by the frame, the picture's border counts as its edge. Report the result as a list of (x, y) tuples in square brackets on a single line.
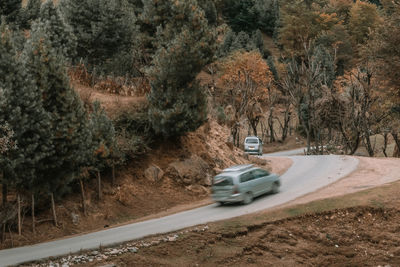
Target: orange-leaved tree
[(247, 85)]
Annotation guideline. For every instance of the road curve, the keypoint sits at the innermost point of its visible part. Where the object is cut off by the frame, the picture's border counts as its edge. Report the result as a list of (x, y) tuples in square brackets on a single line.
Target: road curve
[(307, 174)]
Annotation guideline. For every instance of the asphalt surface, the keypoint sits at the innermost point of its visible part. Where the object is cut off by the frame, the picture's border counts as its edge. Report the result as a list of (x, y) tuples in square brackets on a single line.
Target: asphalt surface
[(307, 174)]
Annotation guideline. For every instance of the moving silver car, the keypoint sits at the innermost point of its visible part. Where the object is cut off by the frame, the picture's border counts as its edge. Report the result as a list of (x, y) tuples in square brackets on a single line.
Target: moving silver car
[(241, 183), (253, 145)]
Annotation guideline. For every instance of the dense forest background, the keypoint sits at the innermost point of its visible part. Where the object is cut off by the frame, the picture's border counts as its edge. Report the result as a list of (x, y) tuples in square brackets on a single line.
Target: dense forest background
[(332, 68)]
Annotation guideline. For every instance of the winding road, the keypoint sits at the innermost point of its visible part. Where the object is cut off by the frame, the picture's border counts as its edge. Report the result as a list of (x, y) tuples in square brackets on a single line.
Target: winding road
[(307, 174)]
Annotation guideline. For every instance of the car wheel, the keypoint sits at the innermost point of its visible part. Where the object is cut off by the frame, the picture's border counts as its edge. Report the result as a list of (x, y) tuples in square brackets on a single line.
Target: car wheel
[(275, 188), (221, 203), (248, 198)]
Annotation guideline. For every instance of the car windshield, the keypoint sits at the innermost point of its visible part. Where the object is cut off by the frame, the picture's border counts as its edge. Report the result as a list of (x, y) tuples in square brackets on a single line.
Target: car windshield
[(251, 141), (222, 180)]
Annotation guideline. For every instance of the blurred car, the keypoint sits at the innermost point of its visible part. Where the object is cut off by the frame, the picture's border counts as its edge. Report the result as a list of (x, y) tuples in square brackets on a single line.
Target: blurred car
[(242, 183), (253, 145)]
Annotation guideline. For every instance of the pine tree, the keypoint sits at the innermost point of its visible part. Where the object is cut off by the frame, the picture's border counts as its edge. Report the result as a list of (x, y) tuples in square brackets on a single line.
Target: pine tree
[(24, 112), (60, 33), (185, 45), (242, 41), (267, 15), (102, 27), (10, 10), (240, 15), (103, 137), (210, 10), (69, 123), (103, 142), (30, 13)]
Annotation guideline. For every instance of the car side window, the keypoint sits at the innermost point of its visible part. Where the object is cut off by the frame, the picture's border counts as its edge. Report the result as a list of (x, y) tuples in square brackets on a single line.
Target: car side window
[(260, 173), (246, 177)]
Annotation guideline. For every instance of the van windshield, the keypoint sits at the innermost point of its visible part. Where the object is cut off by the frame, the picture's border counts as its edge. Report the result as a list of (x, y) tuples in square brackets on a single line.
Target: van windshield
[(252, 141), (222, 180)]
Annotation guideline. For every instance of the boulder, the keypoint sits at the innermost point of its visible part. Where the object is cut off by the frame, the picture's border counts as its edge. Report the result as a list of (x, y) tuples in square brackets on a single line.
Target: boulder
[(189, 171), (153, 173)]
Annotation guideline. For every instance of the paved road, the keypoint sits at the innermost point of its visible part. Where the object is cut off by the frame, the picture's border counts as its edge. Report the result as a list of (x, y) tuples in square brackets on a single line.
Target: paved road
[(307, 174)]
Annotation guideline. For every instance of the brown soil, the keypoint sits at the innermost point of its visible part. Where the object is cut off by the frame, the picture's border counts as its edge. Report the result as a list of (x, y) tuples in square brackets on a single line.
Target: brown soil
[(361, 236)]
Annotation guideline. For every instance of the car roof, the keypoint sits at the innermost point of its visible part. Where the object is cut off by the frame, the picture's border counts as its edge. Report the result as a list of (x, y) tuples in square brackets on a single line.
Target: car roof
[(248, 137), (238, 168)]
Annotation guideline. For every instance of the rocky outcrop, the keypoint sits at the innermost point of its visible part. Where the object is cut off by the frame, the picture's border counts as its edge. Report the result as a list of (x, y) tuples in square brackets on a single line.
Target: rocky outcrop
[(193, 170)]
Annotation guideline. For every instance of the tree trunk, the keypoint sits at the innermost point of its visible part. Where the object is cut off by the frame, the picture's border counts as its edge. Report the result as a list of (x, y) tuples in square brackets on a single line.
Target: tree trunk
[(355, 144), (19, 214), (367, 142), (99, 194), (285, 127), (385, 143), (113, 174), (53, 207), (271, 127), (396, 152), (83, 197), (33, 215), (4, 192), (3, 233)]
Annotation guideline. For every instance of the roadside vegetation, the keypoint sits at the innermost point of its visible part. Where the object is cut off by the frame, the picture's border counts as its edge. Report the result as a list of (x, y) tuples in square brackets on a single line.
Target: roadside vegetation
[(323, 71)]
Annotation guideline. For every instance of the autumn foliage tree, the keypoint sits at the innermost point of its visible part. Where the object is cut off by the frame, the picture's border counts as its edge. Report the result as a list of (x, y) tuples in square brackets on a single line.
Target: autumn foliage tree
[(246, 85), (382, 50)]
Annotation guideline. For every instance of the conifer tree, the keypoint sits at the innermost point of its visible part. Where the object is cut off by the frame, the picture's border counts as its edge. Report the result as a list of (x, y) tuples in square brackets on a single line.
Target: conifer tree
[(102, 27), (24, 112), (30, 13), (60, 33), (69, 123), (185, 45), (103, 141), (10, 10)]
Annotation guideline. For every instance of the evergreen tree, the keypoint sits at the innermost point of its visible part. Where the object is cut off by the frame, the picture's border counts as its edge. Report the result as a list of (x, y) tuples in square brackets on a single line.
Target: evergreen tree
[(103, 138), (69, 123), (60, 33), (24, 112), (102, 27), (242, 41), (10, 10), (185, 44), (210, 10), (30, 13), (240, 15), (267, 15), (225, 48)]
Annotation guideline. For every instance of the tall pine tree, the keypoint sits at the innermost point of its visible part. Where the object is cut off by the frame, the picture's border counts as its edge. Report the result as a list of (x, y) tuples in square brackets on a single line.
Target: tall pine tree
[(24, 112), (59, 32), (103, 28), (185, 44), (69, 121)]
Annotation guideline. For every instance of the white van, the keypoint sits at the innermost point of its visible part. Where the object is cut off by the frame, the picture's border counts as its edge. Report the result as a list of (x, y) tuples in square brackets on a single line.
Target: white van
[(253, 145)]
